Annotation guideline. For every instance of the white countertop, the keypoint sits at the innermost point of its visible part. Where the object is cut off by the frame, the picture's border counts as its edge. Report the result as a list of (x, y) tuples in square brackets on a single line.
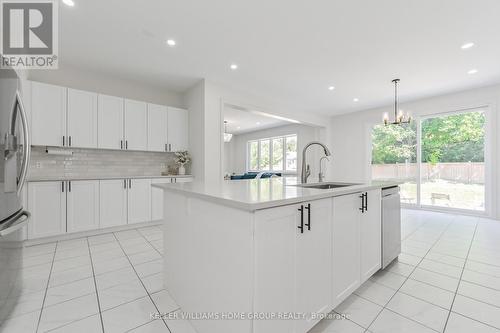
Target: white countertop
[(76, 178), (255, 194)]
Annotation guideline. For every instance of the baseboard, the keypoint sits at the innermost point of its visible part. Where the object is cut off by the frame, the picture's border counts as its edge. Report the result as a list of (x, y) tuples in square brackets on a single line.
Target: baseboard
[(87, 233)]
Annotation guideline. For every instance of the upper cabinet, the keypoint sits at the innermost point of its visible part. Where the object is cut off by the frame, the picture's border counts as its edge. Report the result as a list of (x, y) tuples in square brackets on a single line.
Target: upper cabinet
[(65, 117), (110, 123), (82, 119), (178, 129), (157, 127), (136, 125), (48, 108)]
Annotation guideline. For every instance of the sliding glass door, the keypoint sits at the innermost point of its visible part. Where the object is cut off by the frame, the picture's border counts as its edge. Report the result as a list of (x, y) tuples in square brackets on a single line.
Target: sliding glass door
[(441, 159), (452, 163)]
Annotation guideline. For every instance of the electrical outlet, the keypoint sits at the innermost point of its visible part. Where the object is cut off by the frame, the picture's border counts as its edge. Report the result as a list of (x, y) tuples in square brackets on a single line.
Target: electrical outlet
[(38, 165)]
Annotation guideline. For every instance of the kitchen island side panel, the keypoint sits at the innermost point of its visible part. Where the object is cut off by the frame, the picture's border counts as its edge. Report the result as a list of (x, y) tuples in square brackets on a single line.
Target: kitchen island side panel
[(208, 261)]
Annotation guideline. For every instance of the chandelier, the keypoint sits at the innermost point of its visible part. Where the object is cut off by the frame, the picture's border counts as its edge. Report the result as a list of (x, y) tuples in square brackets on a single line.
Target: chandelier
[(399, 117)]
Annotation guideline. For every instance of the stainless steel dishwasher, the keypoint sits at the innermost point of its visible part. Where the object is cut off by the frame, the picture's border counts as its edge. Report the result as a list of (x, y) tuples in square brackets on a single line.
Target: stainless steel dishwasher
[(391, 225)]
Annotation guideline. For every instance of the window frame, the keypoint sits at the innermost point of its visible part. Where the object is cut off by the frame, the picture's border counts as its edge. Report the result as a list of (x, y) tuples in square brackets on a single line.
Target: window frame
[(271, 150)]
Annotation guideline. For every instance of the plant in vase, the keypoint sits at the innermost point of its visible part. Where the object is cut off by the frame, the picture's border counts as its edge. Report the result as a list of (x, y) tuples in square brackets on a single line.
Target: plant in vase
[(181, 159)]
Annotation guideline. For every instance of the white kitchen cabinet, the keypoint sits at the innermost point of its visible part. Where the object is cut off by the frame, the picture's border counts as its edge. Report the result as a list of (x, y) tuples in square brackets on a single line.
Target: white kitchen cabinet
[(82, 119), (178, 129), (356, 241), (112, 202), (82, 205), (135, 125), (157, 127), (346, 246), (47, 205), (293, 258), (157, 198), (48, 115), (371, 236), (139, 200), (110, 122)]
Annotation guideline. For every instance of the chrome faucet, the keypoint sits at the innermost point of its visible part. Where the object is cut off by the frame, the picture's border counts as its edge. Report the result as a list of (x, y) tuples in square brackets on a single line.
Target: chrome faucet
[(306, 170), (321, 176)]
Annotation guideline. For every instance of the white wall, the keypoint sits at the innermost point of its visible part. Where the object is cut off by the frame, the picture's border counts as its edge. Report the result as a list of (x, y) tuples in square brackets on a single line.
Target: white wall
[(99, 82), (235, 151), (349, 134), (205, 102)]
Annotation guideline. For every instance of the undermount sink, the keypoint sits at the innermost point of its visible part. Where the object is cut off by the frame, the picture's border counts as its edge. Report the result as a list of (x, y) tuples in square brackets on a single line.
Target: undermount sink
[(326, 186)]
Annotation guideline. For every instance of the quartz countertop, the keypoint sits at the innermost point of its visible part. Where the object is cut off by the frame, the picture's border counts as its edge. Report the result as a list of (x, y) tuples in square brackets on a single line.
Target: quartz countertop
[(75, 178), (258, 194)]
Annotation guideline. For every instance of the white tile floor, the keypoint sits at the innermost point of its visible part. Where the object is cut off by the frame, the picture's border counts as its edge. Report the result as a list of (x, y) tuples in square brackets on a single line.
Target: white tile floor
[(446, 280)]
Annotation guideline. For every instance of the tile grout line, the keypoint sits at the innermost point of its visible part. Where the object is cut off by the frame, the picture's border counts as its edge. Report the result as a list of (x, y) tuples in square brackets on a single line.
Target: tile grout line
[(147, 240), (46, 288), (142, 283), (95, 284), (460, 279), (406, 278)]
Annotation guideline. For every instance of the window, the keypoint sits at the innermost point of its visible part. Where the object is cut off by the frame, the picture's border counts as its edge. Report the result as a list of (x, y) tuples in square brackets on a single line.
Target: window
[(273, 154), (450, 171)]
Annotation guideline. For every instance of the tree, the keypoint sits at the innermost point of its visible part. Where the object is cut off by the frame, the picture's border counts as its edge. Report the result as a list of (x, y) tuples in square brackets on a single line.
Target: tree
[(454, 138)]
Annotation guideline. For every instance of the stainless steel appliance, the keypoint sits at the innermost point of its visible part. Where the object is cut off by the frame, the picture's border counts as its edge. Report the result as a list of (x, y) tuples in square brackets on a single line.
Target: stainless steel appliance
[(14, 161), (391, 225)]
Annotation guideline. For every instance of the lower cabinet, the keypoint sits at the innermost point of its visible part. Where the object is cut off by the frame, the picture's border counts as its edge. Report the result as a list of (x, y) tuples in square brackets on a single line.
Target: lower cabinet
[(47, 205), (157, 199), (82, 202), (371, 235), (157, 195), (356, 241), (58, 207), (113, 202), (139, 200), (62, 206), (293, 258)]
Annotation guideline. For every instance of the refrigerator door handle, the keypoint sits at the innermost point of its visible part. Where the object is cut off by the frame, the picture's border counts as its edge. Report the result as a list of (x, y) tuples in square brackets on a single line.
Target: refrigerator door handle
[(18, 221), (18, 105)]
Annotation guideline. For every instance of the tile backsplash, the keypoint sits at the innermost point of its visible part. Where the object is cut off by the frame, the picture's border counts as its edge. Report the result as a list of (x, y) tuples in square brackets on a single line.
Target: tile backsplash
[(94, 163)]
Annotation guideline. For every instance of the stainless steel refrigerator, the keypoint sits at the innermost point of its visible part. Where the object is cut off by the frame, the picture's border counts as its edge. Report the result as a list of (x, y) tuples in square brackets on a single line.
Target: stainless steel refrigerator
[(14, 162)]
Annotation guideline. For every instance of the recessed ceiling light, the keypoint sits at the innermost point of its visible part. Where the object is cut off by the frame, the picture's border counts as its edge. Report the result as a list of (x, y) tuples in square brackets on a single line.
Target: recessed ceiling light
[(70, 3), (467, 46), (239, 127), (257, 123), (233, 67), (355, 99), (171, 42), (331, 88), (472, 71)]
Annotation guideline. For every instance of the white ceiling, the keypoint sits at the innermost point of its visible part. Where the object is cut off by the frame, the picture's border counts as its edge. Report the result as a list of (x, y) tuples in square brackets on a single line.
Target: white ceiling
[(239, 121), (290, 50)]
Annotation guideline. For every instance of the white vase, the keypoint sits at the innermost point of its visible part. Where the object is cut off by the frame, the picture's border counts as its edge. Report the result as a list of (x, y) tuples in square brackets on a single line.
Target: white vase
[(182, 170)]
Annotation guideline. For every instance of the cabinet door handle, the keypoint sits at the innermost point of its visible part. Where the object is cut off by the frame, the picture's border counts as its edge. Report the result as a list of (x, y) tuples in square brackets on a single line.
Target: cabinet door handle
[(366, 201), (69, 141), (166, 147), (125, 184), (308, 224), (170, 147), (121, 144), (63, 140), (126, 144), (62, 187), (130, 183), (362, 209), (301, 226), (69, 186)]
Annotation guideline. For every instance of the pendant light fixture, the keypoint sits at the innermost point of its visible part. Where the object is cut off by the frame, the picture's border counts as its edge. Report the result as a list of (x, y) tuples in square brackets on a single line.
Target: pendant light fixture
[(227, 136), (399, 117)]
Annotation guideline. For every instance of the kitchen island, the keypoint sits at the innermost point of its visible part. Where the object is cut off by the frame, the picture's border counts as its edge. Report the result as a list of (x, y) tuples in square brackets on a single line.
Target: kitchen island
[(268, 255)]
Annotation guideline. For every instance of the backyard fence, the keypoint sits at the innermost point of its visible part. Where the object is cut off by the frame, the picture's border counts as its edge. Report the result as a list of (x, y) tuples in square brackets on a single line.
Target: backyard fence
[(469, 172)]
